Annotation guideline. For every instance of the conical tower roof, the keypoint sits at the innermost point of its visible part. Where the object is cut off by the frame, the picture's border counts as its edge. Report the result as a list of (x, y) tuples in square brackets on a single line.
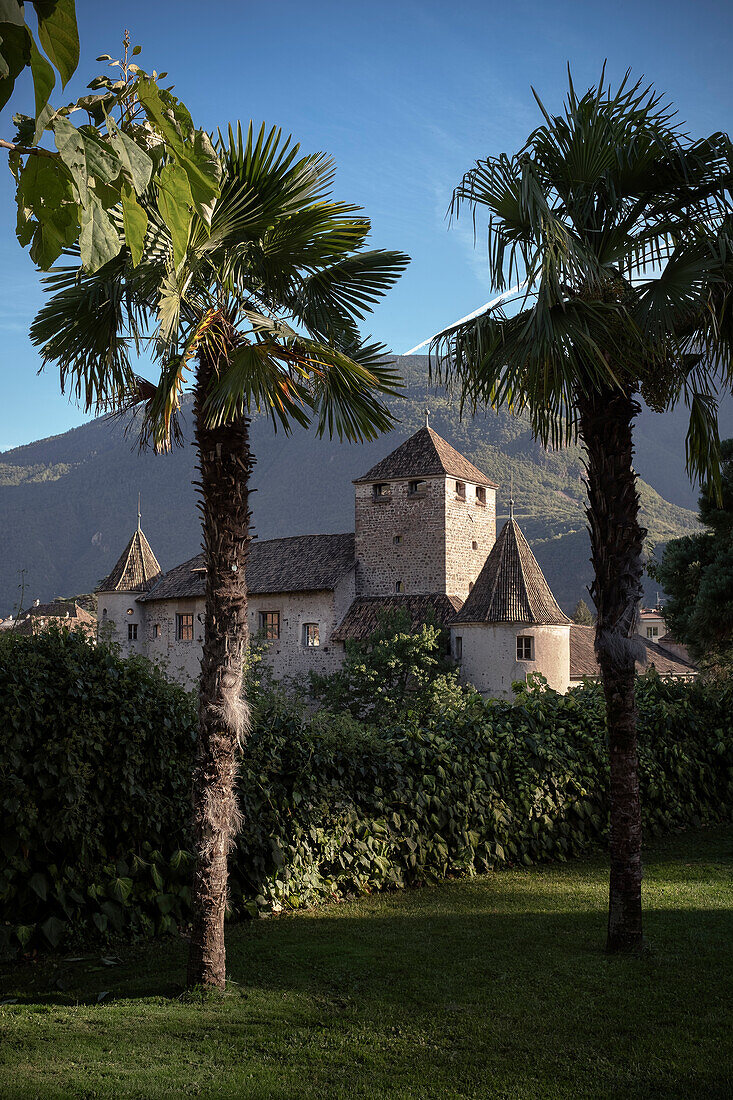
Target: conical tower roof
[(426, 454), (511, 587), (136, 571)]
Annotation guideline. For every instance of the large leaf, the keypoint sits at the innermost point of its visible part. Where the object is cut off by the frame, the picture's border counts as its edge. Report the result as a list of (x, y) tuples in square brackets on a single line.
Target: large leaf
[(46, 194), (176, 207), (134, 160), (15, 52), (99, 241), (85, 155), (59, 36), (43, 78), (135, 221)]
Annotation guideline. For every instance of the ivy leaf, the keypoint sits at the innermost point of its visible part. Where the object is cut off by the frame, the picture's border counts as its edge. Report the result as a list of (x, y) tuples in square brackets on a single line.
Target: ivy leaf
[(53, 930), (135, 221), (99, 241), (43, 77), (176, 207), (134, 160), (59, 35)]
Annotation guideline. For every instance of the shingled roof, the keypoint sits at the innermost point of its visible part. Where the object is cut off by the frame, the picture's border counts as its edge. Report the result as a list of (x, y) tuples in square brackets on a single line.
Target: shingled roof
[(583, 660), (364, 615), (136, 571), (425, 454), (303, 563), (511, 587)]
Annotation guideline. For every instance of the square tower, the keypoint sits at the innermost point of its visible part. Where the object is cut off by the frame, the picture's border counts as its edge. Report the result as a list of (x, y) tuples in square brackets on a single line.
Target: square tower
[(425, 521)]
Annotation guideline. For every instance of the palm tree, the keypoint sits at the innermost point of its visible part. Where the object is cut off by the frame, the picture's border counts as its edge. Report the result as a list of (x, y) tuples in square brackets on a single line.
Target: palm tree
[(619, 226), (262, 308)]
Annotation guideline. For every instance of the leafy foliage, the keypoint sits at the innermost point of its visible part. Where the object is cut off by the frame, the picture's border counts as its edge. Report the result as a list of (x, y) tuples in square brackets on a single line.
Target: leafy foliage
[(696, 572), (393, 671), (94, 790)]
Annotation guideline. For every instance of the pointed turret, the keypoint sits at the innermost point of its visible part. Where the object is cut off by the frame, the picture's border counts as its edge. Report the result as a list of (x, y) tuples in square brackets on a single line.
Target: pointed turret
[(426, 454), (137, 569), (511, 587)]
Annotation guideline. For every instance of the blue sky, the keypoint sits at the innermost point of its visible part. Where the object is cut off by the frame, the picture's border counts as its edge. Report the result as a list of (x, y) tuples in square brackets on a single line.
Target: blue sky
[(405, 96)]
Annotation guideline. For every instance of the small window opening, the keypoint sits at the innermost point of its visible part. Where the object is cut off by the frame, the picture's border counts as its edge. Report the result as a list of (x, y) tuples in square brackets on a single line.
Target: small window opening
[(270, 624), (480, 495), (458, 648), (184, 627), (399, 586), (156, 630), (311, 635), (474, 545), (397, 540), (461, 489), (132, 632), (381, 491), (416, 488), (470, 586), (525, 648)]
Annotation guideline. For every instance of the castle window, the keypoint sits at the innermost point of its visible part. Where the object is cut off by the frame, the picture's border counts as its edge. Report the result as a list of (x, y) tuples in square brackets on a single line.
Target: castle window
[(525, 648), (481, 495), (416, 488), (474, 545), (184, 628), (458, 648), (270, 625), (461, 489), (311, 635), (156, 630), (399, 586), (132, 632), (397, 540), (383, 491)]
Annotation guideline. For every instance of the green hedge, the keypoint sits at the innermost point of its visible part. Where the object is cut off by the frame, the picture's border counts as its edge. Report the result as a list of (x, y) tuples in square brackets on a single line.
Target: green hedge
[(96, 754)]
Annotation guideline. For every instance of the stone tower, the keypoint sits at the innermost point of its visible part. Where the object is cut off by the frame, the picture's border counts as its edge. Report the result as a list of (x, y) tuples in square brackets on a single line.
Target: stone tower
[(425, 521)]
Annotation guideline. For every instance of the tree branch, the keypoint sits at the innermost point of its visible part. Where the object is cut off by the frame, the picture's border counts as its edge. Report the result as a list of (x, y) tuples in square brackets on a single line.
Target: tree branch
[(32, 150)]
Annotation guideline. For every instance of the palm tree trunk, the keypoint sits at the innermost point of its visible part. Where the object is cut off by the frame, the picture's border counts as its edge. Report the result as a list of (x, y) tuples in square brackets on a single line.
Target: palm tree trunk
[(617, 542), (225, 464)]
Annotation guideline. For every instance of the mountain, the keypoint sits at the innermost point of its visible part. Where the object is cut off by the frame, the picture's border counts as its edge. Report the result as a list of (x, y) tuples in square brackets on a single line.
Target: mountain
[(68, 504)]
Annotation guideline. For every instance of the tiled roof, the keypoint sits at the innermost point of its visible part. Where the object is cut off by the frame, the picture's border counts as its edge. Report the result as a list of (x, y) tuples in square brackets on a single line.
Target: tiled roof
[(511, 587), (136, 571), (425, 454), (583, 660), (61, 609), (64, 613), (303, 563), (363, 616)]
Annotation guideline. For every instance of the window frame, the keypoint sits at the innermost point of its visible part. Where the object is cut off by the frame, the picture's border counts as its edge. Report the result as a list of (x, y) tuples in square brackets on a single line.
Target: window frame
[(521, 639), (183, 625), (461, 490), (306, 635), (132, 632), (458, 648), (381, 490), (481, 496), (399, 587), (417, 488), (269, 620)]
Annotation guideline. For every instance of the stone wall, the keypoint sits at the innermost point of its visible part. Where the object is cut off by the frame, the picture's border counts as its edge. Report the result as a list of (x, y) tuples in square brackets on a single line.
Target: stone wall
[(467, 521)]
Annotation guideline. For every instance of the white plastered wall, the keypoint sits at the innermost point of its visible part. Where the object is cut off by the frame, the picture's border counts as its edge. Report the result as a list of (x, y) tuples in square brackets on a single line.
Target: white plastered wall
[(489, 655)]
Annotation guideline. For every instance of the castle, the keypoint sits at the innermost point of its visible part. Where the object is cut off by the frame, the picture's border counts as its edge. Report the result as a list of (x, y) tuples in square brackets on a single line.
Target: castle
[(424, 541)]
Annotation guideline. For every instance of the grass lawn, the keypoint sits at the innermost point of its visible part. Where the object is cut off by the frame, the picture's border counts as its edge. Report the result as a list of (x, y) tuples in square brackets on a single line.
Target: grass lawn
[(491, 987)]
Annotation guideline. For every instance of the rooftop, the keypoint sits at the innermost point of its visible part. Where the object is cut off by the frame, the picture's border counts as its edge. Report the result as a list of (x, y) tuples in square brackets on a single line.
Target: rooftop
[(302, 563), (426, 454), (363, 617), (583, 660), (511, 587), (136, 571)]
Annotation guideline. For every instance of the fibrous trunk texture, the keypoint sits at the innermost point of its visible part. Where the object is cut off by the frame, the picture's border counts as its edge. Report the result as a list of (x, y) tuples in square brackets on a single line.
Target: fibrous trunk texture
[(225, 464), (617, 541)]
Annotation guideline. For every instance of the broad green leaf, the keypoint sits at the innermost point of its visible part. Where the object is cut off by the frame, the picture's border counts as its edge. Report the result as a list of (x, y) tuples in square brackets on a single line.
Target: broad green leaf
[(135, 221), (51, 237), (134, 160), (176, 207), (59, 36), (39, 885), (191, 148), (99, 241), (53, 930), (42, 122), (15, 54), (11, 11), (43, 78), (85, 155), (46, 193)]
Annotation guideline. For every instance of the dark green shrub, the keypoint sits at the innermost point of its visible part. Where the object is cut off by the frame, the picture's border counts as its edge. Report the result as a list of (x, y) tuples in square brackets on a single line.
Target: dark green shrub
[(95, 759), (96, 755)]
